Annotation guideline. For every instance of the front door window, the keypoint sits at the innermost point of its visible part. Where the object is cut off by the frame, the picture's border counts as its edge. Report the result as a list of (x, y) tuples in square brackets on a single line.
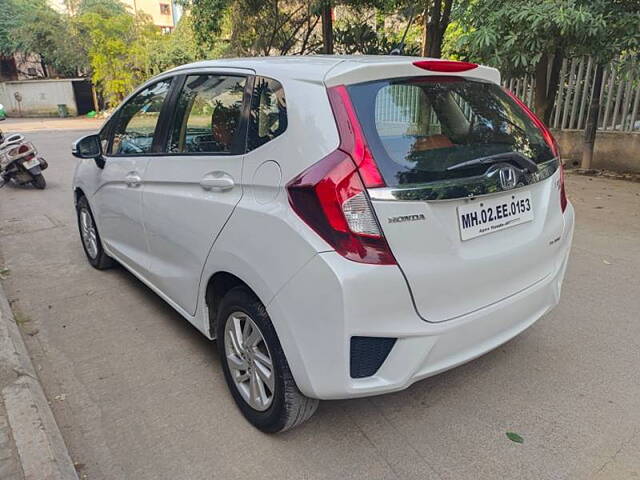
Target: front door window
[(136, 121)]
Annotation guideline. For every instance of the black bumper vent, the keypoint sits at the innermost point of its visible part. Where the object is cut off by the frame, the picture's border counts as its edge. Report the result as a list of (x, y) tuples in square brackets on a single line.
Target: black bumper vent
[(368, 354)]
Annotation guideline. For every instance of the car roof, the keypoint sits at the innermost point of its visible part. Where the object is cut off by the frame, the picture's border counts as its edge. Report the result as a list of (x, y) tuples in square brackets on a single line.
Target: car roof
[(334, 69)]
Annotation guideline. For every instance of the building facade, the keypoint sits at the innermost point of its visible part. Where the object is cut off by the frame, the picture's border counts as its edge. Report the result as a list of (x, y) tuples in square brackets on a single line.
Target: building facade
[(160, 11), (164, 13)]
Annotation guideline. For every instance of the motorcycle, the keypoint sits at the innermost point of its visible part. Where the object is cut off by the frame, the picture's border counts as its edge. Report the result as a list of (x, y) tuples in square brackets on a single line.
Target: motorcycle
[(19, 162)]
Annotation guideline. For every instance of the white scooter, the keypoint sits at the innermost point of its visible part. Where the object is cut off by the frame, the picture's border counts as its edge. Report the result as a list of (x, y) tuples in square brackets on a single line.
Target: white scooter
[(19, 161)]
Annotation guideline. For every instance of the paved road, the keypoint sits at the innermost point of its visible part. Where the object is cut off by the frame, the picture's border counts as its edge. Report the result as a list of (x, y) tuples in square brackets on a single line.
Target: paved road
[(139, 394)]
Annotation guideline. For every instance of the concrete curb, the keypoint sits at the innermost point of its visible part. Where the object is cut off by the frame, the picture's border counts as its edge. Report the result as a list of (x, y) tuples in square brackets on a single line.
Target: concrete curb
[(42, 452)]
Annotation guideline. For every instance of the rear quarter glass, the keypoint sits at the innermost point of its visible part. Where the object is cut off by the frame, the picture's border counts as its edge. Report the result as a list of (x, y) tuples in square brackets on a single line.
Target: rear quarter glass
[(419, 127)]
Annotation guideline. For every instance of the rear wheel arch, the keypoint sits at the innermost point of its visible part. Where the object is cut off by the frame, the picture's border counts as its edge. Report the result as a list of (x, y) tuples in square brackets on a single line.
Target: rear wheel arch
[(220, 283)]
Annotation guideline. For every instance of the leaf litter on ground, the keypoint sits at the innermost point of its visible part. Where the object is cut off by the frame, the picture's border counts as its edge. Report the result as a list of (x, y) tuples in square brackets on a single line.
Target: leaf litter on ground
[(514, 437)]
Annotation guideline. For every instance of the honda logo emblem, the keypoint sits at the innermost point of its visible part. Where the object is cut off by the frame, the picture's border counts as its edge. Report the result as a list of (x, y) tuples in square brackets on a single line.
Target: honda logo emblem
[(508, 177)]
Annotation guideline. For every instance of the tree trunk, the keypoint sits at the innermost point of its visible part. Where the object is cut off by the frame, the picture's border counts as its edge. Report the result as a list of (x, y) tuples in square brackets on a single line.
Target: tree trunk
[(436, 20), (545, 87), (592, 119), (434, 28), (540, 87), (43, 65), (327, 28), (425, 31)]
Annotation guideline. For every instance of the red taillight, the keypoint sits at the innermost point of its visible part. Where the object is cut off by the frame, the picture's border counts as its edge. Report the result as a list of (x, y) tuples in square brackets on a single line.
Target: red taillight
[(548, 138), (445, 65), (352, 139), (546, 133), (23, 148), (563, 193), (331, 197)]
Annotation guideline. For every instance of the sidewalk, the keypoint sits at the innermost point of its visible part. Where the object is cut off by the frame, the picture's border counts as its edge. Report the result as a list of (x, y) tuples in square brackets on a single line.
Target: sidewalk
[(16, 125), (31, 446)]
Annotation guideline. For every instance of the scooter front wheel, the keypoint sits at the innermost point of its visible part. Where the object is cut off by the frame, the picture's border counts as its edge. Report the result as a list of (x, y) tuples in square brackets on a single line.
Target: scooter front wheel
[(39, 182)]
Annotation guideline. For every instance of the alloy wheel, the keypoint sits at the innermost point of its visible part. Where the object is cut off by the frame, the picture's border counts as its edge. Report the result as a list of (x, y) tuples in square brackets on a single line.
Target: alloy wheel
[(249, 361), (88, 232)]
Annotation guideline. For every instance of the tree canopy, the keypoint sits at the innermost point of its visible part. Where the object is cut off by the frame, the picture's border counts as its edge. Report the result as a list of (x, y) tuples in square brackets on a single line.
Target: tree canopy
[(534, 36), (119, 49)]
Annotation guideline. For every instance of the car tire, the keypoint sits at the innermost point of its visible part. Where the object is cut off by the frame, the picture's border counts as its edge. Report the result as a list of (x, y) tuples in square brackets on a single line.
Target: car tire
[(287, 407), (90, 238), (39, 182)]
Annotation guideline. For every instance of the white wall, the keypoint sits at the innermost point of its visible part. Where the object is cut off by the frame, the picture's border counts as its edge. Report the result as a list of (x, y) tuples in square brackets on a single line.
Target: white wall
[(39, 97)]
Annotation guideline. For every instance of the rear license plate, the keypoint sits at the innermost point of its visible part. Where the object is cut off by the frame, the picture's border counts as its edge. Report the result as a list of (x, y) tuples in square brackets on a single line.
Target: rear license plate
[(494, 214), (29, 164)]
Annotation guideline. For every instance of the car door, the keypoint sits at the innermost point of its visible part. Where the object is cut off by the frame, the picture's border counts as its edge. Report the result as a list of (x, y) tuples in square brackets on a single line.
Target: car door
[(118, 199), (192, 189)]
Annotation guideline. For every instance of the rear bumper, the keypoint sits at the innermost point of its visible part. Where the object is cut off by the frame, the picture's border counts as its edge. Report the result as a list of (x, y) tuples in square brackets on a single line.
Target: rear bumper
[(332, 299)]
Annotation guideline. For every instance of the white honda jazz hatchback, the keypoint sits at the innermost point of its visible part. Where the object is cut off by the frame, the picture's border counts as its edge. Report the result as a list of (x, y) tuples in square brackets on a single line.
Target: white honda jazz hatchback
[(343, 226)]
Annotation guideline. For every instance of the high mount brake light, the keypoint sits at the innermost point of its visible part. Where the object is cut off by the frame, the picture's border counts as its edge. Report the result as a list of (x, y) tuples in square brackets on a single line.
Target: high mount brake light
[(549, 139), (331, 197), (445, 65)]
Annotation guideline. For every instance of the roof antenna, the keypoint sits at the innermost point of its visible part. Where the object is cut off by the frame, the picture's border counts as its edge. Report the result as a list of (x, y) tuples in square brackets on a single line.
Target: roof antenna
[(400, 48)]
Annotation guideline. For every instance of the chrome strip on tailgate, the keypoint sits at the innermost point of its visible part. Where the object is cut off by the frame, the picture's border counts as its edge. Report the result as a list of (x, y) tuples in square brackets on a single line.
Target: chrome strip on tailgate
[(467, 187)]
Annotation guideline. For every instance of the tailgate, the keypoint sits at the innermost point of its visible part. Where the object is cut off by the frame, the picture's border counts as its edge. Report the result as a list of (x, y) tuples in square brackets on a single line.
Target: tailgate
[(471, 202), (448, 276)]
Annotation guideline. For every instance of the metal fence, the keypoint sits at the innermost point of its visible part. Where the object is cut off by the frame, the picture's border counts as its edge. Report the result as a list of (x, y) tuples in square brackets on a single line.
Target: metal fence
[(619, 95)]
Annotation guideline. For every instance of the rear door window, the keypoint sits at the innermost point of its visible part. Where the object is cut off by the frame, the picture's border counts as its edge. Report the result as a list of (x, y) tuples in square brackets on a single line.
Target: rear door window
[(430, 129), (208, 115)]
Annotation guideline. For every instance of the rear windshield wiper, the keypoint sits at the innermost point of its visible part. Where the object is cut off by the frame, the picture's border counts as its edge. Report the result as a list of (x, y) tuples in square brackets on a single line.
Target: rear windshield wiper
[(522, 161)]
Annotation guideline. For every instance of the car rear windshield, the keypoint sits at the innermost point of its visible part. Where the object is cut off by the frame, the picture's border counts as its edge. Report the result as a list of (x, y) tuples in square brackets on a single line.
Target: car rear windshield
[(418, 128)]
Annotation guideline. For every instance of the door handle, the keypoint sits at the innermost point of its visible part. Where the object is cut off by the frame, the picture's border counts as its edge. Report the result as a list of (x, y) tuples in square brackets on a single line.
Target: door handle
[(132, 179), (217, 182)]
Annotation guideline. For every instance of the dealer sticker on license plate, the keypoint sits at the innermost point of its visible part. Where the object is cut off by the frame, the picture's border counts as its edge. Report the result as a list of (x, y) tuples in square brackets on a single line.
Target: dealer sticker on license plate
[(494, 214)]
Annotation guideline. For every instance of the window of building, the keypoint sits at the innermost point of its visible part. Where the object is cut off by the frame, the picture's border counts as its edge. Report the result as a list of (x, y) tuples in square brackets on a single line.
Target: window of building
[(165, 9)]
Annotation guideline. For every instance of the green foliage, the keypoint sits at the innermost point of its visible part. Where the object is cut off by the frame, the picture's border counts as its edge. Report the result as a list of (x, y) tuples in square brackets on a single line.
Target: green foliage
[(619, 29), (103, 8), (207, 19), (355, 37), (451, 45), (514, 437), (514, 34), (118, 51), (32, 26), (40, 32), (10, 17), (168, 51), (276, 27), (273, 27)]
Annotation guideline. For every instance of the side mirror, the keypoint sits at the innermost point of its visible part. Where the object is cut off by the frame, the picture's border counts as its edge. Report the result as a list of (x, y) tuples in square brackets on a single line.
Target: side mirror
[(89, 147)]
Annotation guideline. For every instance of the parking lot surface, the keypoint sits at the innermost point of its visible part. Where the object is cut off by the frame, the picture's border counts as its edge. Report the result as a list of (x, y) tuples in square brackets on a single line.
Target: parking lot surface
[(139, 394)]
